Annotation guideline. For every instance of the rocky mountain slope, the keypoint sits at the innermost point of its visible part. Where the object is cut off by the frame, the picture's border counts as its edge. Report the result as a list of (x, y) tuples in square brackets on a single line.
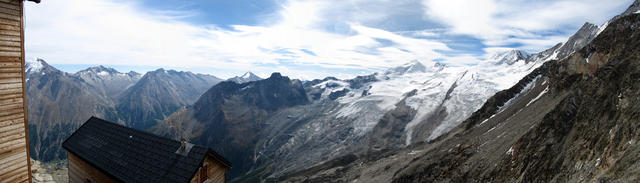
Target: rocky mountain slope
[(571, 120), (160, 93), (230, 116), (58, 102)]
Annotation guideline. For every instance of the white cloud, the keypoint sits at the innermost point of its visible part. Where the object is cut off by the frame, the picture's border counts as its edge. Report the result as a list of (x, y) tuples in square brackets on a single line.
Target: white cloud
[(305, 39), (501, 22), (121, 33)]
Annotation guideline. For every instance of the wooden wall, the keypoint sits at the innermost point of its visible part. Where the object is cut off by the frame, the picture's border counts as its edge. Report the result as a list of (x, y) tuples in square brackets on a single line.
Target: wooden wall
[(14, 153), (81, 171), (216, 172)]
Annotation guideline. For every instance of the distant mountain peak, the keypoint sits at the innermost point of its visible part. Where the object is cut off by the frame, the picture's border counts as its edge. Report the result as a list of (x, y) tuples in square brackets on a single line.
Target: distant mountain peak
[(634, 8), (588, 28), (162, 71), (34, 64), (133, 73), (410, 67), (100, 70), (509, 57), (246, 77)]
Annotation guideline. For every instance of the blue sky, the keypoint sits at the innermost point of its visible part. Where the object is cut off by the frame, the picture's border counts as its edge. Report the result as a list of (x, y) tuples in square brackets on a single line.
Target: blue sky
[(299, 38)]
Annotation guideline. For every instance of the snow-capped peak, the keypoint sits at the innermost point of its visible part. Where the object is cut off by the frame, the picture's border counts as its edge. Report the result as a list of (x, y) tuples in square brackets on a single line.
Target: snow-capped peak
[(248, 75), (34, 64), (100, 70), (411, 67), (509, 57)]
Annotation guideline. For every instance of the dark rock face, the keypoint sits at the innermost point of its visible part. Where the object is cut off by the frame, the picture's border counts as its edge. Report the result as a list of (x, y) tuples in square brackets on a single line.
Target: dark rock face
[(572, 120), (576, 42), (232, 116), (635, 7), (388, 132), (359, 81)]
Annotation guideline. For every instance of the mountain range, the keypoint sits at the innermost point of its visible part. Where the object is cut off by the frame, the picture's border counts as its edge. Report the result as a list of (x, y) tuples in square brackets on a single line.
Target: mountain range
[(412, 103), (58, 102), (572, 119), (563, 114)]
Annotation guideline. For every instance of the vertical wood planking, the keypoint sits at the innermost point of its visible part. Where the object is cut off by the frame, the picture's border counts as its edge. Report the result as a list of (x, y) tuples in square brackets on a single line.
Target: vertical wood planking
[(24, 91), (14, 139)]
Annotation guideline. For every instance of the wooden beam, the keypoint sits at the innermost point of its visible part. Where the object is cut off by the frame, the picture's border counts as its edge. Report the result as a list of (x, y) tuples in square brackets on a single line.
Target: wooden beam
[(11, 112), (11, 100), (8, 159), (15, 163), (10, 2), (8, 129), (10, 6), (10, 64), (12, 121), (11, 116), (11, 91), (11, 75), (8, 96), (10, 144), (9, 43), (17, 59), (9, 22), (10, 80), (18, 134), (9, 38), (10, 11), (11, 106), (5, 154), (10, 54), (9, 32), (9, 177), (10, 48), (10, 69), (11, 86), (10, 17)]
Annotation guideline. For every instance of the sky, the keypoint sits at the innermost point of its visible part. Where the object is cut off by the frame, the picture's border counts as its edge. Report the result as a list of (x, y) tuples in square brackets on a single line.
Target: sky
[(303, 39)]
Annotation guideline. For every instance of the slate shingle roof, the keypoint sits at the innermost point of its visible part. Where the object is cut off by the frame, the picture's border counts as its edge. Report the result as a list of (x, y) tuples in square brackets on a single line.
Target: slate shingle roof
[(130, 155)]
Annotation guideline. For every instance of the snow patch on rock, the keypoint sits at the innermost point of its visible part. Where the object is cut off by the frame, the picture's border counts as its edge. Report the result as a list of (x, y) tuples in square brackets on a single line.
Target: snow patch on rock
[(33, 65)]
